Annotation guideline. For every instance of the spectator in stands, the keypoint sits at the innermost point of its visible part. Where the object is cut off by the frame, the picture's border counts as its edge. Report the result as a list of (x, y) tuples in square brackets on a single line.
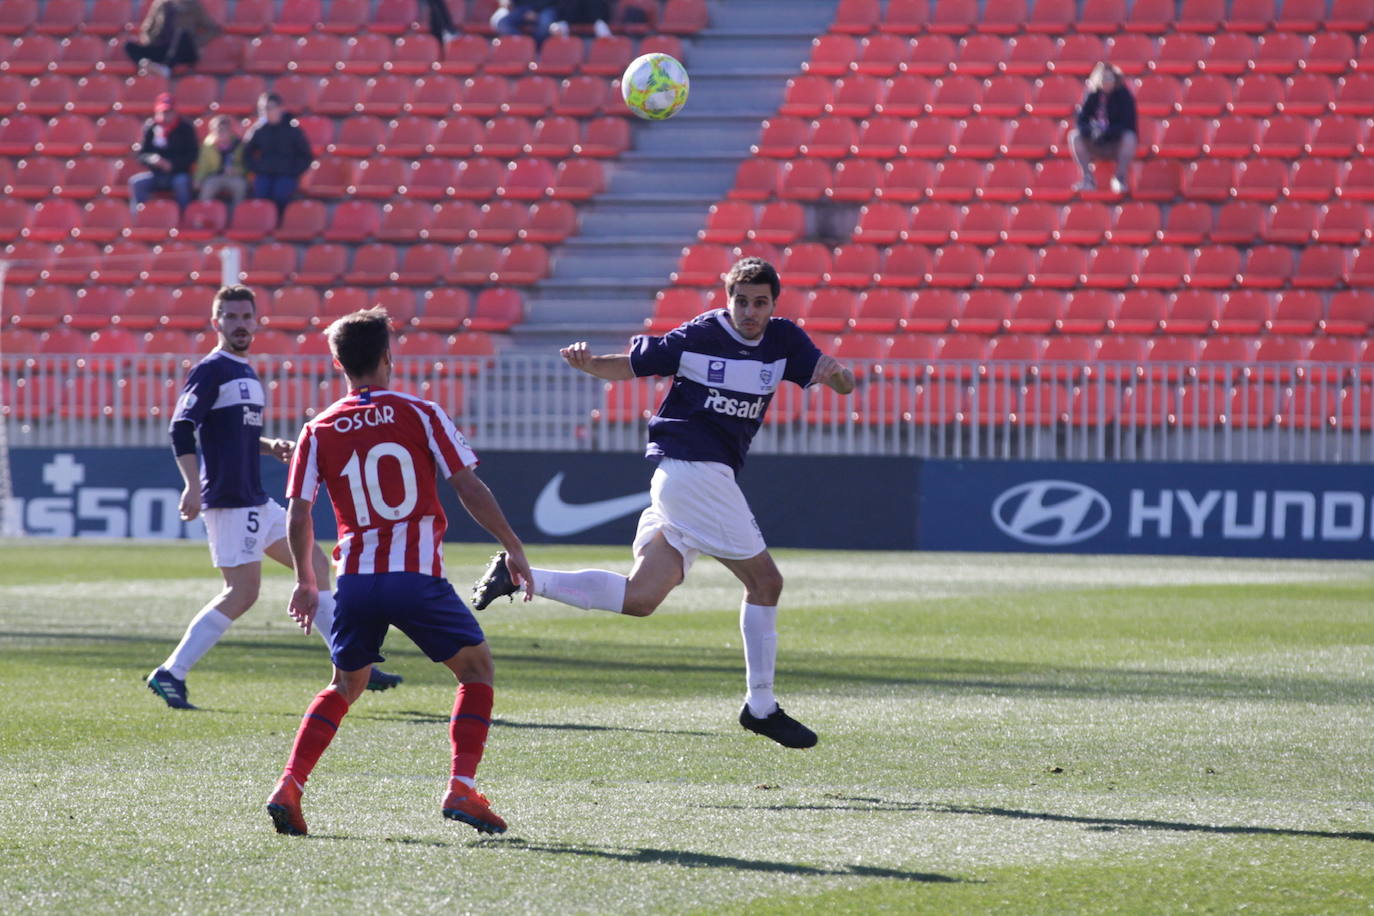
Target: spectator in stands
[(169, 150), (525, 17), (219, 170), (1106, 127), (440, 20), (592, 13), (172, 33), (277, 152)]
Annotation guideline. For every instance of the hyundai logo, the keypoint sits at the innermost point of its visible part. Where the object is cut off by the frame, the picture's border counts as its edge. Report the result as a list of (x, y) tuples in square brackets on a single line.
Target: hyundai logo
[(1051, 513)]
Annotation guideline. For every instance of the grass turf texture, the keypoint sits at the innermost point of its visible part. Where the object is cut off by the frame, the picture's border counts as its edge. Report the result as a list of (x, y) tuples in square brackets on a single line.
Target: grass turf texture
[(1013, 734)]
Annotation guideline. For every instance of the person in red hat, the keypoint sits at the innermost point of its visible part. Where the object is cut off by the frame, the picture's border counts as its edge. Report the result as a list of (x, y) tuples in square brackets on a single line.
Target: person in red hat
[(169, 149)]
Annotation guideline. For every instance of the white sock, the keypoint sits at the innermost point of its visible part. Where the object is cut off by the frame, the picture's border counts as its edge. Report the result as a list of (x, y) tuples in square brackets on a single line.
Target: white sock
[(587, 588), (465, 780), (201, 635), (324, 619), (758, 625)]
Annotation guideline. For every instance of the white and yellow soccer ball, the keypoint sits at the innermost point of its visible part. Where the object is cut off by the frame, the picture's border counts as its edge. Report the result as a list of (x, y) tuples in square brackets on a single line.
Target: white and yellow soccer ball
[(655, 86)]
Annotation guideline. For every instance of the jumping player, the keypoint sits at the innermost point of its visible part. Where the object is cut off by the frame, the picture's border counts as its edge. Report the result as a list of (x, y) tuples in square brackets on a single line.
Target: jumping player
[(378, 453), (223, 402), (726, 365)]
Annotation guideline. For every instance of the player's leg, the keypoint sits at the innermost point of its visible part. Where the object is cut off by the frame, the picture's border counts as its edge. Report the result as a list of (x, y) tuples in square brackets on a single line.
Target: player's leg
[(758, 621), (1125, 155), (360, 626), (241, 586), (467, 731), (279, 550), (318, 727)]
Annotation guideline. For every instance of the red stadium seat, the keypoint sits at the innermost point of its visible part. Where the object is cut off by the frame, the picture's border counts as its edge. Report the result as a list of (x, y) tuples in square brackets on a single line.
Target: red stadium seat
[(527, 179), (315, 54), (1084, 223), (1229, 54), (1193, 311), (905, 266), (957, 180), (580, 97), (424, 264), (551, 222), (1319, 266), (1261, 179), (1290, 223), (353, 221), (933, 222), (727, 222), (683, 17), (1279, 52), (1351, 313), (828, 310), (908, 95), (831, 55), (412, 55), (474, 265), (1111, 267), (856, 96), (1238, 223), (1030, 54), (1294, 311), (1355, 95), (1257, 94), (1004, 97), (322, 265), (409, 137), (1345, 222), (1184, 137), (501, 222), (1136, 223), (1180, 53), (956, 266), (387, 96), (405, 222), (1086, 311), (1060, 267), (1215, 267), (906, 180), (240, 93), (882, 310), (854, 264), (374, 264), (979, 55), (1033, 138), (359, 137), (881, 223), (985, 311), (805, 263), (1267, 267), (1007, 180), (303, 221), (882, 55), (906, 17), (293, 308), (437, 96), (982, 223), (804, 179), (578, 179), (956, 96), (806, 96), (832, 138), (1244, 311), (1033, 223)]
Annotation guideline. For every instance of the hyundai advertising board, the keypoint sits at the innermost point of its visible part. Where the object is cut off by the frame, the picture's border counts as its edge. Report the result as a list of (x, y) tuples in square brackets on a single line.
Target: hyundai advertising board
[(1243, 510)]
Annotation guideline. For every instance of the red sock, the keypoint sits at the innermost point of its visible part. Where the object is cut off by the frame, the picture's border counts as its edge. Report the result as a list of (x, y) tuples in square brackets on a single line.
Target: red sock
[(321, 721), (468, 727)]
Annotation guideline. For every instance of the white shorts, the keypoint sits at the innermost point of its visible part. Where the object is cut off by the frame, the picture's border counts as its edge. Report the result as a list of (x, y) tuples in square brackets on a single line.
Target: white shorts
[(700, 509), (238, 536)]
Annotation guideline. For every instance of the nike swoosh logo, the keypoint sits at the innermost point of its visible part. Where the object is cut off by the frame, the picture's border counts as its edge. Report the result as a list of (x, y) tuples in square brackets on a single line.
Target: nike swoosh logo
[(555, 517)]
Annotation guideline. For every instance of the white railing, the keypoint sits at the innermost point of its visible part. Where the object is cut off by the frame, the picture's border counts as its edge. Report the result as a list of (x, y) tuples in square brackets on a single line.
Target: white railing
[(1053, 411)]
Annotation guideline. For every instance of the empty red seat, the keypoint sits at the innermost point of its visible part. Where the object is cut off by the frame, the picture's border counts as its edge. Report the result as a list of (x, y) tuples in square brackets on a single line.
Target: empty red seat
[(1060, 267), (1083, 223), (1351, 312), (831, 55), (1320, 265), (956, 266), (1184, 137), (1172, 358), (906, 17), (1030, 54), (702, 265), (979, 55), (1267, 267), (956, 96), (882, 55), (804, 179), (322, 265), (1112, 267), (828, 310), (831, 138), (1293, 312), (1215, 180), (1258, 94), (1163, 267), (881, 223), (1229, 54), (1243, 311), (1192, 311), (1180, 53), (985, 311), (905, 266), (353, 221), (957, 180), (1215, 267), (854, 264), (578, 179), (1085, 311), (882, 309), (1238, 223), (1158, 95), (805, 263), (1033, 223)]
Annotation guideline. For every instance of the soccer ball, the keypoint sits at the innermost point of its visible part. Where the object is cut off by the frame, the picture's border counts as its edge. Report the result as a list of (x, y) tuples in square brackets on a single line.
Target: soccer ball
[(655, 86)]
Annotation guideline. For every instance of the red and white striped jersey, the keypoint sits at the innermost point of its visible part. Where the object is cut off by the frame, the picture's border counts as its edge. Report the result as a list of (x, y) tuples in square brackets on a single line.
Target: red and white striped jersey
[(379, 453)]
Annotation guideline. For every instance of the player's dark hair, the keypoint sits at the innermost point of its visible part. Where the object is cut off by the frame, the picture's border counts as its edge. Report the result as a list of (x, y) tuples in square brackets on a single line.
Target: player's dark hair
[(234, 294), (753, 270), (359, 340)]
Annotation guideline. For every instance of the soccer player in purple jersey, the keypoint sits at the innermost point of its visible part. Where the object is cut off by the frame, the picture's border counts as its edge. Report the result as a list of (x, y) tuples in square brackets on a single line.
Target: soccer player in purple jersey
[(726, 365), (222, 403)]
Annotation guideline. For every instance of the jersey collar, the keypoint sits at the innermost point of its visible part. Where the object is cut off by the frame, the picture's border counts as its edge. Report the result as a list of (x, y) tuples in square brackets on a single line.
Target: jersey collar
[(225, 353)]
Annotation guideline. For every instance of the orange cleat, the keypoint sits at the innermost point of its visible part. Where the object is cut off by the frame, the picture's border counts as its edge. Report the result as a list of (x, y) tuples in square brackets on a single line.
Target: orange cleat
[(472, 808), (284, 805)]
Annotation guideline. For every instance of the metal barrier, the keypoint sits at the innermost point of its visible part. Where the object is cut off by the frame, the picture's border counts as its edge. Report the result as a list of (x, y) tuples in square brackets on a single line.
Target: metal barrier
[(1096, 411)]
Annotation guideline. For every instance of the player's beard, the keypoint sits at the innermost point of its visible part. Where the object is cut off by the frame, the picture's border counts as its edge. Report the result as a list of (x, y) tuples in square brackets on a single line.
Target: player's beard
[(239, 342)]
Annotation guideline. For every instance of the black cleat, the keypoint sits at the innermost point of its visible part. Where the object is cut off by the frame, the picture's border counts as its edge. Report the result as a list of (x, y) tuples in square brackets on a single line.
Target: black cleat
[(380, 680), (779, 726), (170, 688), (495, 583)]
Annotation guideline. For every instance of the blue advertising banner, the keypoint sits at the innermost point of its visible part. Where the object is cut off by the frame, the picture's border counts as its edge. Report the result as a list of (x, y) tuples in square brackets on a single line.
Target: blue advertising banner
[(1241, 510), (562, 497)]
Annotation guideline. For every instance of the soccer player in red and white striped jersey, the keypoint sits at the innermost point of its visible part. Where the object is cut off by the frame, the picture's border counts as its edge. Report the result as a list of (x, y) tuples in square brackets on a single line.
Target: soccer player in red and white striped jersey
[(379, 453)]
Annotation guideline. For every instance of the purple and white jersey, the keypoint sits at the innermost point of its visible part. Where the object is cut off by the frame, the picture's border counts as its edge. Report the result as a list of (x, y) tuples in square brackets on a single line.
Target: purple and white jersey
[(722, 384), (224, 399)]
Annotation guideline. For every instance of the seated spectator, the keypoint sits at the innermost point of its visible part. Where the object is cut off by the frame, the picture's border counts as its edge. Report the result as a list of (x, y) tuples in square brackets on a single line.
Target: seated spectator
[(1106, 127), (525, 17), (169, 150), (172, 33), (277, 152), (592, 13), (219, 170)]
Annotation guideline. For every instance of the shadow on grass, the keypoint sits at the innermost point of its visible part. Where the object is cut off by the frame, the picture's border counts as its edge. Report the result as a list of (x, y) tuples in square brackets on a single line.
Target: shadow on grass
[(686, 859), (857, 803), (418, 717), (662, 672)]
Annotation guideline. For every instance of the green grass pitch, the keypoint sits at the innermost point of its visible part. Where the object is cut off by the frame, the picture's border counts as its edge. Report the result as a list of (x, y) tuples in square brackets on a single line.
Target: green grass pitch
[(1010, 734)]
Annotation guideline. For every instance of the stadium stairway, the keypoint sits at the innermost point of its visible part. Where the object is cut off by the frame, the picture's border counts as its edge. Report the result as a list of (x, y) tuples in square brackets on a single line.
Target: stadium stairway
[(631, 237)]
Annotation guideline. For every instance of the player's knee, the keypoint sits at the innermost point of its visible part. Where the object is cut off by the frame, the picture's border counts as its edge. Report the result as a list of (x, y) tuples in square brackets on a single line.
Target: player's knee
[(240, 596), (768, 590), (640, 605)]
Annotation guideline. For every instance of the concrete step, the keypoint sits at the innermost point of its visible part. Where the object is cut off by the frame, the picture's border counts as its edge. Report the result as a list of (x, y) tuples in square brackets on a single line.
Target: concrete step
[(802, 17)]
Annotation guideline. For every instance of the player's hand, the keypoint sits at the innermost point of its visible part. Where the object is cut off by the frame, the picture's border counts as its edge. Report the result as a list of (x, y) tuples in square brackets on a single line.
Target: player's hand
[(190, 504), (281, 449), (830, 371), (305, 601), (578, 355), (519, 569)]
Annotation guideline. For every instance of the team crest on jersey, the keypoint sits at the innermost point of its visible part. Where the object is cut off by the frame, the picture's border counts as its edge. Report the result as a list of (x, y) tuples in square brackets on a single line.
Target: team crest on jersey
[(244, 391), (715, 370), (249, 543), (765, 377)]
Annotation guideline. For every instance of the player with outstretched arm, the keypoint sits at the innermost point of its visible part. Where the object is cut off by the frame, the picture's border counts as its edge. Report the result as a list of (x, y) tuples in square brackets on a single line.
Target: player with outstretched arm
[(224, 403), (726, 364), (379, 453)]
